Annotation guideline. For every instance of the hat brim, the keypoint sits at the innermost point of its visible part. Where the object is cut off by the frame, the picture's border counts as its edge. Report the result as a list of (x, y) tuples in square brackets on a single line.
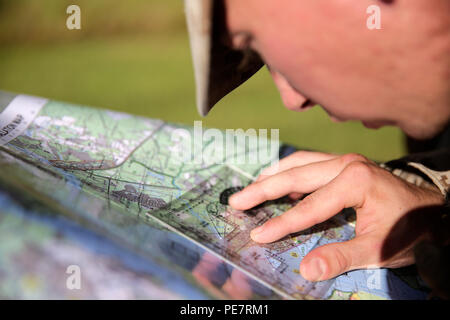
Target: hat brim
[(218, 69)]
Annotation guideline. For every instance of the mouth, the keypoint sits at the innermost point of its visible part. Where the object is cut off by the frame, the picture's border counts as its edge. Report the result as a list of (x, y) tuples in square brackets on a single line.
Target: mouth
[(375, 124), (336, 119), (371, 124)]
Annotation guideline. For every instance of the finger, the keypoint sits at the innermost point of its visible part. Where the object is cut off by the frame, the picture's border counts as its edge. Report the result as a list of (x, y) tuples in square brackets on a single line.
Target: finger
[(297, 159), (304, 179), (333, 259), (319, 206), (295, 195), (296, 180)]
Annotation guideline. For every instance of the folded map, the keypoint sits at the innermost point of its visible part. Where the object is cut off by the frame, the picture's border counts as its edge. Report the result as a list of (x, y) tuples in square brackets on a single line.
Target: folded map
[(115, 195)]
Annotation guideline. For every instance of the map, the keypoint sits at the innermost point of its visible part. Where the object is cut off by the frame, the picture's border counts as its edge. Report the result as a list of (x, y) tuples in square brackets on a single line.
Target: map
[(123, 182)]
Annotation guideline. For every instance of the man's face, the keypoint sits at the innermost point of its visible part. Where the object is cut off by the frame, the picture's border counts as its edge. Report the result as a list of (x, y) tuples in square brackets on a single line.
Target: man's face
[(323, 51)]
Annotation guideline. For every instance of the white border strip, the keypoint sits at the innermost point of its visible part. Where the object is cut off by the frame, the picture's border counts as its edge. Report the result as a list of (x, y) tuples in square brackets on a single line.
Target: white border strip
[(18, 115)]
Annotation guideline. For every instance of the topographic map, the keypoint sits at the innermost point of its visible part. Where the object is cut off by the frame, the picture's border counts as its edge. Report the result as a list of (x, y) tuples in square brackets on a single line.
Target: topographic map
[(112, 194)]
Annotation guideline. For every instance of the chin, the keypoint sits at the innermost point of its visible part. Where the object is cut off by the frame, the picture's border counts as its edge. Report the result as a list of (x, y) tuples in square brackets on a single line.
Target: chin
[(422, 133)]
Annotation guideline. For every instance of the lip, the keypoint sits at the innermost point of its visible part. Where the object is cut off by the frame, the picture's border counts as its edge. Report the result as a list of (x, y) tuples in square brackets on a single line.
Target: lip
[(335, 119), (373, 124)]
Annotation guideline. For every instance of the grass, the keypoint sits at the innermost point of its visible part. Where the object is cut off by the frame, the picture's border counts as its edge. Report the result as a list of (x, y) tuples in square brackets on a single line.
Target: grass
[(150, 74)]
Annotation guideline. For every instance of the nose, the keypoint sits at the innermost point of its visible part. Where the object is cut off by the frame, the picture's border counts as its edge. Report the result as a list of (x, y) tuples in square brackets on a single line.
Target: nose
[(291, 98)]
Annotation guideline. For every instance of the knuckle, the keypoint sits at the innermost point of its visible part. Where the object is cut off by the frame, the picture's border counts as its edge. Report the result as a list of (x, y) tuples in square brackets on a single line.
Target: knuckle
[(353, 157), (344, 261), (294, 172), (358, 170), (285, 221), (290, 221), (281, 223), (292, 176), (264, 189), (300, 154), (307, 205), (307, 202)]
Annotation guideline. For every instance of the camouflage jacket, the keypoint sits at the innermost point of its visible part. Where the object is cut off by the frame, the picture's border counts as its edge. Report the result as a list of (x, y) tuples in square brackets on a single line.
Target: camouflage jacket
[(429, 163), (426, 169), (431, 168)]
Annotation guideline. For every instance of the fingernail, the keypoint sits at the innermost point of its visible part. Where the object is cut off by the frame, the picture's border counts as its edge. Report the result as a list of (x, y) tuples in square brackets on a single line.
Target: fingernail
[(315, 270), (256, 232)]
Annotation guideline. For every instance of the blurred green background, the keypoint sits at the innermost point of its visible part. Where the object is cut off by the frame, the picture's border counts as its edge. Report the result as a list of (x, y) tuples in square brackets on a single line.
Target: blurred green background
[(134, 56)]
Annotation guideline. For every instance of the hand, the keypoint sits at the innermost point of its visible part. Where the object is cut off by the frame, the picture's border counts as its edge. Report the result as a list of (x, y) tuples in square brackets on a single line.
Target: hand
[(334, 182)]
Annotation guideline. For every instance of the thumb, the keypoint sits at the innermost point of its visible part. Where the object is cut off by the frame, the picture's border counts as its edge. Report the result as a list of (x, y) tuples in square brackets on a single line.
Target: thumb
[(333, 259)]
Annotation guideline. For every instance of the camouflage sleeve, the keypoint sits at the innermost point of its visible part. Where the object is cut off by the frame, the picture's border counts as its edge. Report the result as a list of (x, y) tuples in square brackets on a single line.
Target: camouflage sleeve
[(428, 169)]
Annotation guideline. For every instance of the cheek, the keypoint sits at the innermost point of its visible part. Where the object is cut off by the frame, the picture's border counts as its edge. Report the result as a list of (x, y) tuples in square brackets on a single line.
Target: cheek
[(329, 76), (324, 64), (301, 70)]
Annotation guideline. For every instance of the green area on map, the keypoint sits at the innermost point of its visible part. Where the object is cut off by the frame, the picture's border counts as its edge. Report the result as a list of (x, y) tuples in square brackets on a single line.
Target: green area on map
[(123, 176)]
